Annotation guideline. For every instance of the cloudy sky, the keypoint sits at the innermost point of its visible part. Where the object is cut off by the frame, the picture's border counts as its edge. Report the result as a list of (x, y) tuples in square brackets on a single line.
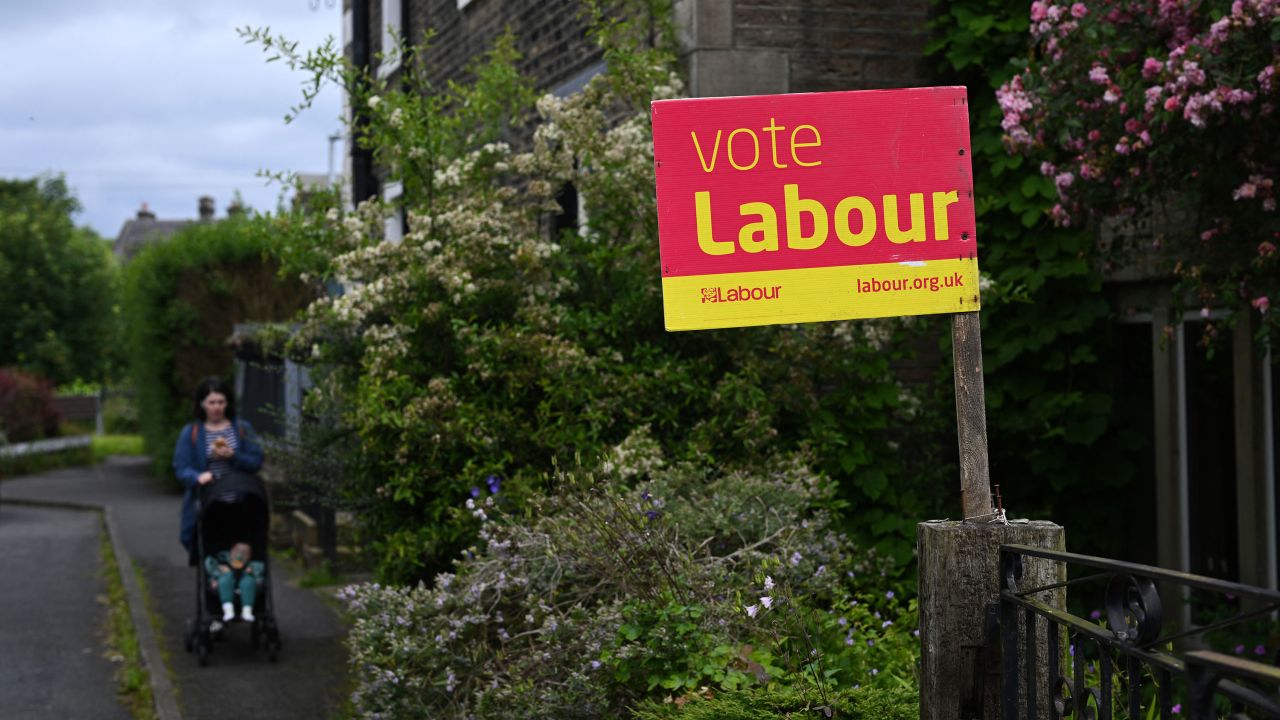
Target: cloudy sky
[(159, 101)]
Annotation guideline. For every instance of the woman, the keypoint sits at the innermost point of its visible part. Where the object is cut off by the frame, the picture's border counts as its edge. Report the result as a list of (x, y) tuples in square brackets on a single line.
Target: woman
[(215, 444)]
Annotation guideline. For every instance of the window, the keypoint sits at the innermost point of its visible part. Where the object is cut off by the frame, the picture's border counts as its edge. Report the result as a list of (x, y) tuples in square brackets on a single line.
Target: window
[(393, 227), (392, 30)]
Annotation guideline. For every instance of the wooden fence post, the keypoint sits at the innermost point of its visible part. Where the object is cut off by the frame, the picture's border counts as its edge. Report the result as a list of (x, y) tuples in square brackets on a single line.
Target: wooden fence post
[(960, 561), (959, 581)]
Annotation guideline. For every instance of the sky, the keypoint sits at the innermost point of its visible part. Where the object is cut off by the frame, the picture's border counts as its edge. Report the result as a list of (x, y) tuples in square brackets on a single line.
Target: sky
[(159, 101)]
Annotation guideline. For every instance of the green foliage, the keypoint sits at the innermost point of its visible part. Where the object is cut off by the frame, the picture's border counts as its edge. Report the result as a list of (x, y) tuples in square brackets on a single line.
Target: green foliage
[(1046, 322), (56, 285), (104, 446), (869, 703), (639, 580), (481, 346), (132, 677), (35, 463), (182, 299), (1164, 118)]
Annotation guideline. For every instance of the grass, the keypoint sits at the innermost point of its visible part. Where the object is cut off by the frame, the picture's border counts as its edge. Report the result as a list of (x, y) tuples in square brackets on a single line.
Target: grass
[(319, 577), (100, 447), (157, 624), (134, 684), (104, 445), (42, 462)]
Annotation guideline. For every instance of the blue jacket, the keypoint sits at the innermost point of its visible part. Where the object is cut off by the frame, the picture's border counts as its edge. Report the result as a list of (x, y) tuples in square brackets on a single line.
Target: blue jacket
[(189, 461)]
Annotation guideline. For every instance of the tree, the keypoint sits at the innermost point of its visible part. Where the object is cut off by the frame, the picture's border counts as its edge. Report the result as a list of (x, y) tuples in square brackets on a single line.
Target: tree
[(1162, 107), (56, 285)]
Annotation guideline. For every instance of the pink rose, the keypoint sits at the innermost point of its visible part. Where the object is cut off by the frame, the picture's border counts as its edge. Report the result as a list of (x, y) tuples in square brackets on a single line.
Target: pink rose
[(1261, 303), (1151, 68), (1078, 10)]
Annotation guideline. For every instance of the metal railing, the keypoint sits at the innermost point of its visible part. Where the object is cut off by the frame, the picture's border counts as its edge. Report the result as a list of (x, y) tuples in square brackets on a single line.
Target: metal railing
[(1126, 661)]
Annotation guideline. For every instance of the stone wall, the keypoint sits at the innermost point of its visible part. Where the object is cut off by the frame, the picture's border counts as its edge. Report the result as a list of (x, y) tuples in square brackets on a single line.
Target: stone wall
[(728, 47), (749, 47)]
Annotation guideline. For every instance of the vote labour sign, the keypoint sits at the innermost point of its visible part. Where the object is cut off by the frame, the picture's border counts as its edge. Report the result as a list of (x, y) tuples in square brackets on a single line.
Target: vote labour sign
[(803, 208)]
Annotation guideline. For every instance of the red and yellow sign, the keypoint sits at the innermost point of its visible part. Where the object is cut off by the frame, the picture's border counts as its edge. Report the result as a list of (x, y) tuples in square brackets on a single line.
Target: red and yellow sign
[(804, 208)]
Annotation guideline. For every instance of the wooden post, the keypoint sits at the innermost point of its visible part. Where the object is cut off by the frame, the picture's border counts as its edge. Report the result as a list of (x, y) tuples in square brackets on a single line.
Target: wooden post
[(971, 414), (959, 581), (959, 565)]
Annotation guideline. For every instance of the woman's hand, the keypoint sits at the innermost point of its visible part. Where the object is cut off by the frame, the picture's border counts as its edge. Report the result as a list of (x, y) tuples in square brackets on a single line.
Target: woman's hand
[(224, 451), (205, 478)]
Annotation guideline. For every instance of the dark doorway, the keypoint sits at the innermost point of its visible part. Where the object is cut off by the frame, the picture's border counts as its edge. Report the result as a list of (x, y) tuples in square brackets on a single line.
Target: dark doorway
[(1211, 454)]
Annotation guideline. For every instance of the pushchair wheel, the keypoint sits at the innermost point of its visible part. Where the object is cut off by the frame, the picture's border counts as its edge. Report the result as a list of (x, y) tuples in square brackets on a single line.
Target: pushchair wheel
[(189, 640), (202, 652)]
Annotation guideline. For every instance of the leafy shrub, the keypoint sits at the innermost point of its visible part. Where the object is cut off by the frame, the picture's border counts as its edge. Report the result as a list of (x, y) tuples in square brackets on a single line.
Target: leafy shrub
[(480, 345), (869, 703), (57, 285), (33, 463), (120, 415), (182, 299), (26, 407), (637, 581)]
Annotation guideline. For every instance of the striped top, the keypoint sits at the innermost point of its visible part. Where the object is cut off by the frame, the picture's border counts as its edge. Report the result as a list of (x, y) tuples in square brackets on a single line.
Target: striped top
[(220, 466)]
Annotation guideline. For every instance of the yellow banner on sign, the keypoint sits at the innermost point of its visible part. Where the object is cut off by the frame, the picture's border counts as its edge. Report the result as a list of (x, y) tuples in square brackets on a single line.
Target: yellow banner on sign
[(924, 287)]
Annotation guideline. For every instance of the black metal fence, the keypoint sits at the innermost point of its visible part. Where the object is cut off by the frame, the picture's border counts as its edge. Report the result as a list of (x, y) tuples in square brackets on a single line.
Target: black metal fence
[(1160, 643)]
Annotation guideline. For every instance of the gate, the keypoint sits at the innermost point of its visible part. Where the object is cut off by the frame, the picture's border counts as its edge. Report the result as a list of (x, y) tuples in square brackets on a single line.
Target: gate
[(1128, 658)]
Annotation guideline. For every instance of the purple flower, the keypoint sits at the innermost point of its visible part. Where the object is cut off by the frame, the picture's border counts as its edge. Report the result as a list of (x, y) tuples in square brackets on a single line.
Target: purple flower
[(796, 557), (644, 495), (1095, 615), (1239, 649), (1260, 650), (651, 514), (495, 484), (1176, 709), (595, 664), (475, 492), (848, 639), (871, 643), (842, 622), (889, 594)]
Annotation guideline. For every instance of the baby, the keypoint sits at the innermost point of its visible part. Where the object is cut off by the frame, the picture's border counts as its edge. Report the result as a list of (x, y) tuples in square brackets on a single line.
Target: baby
[(232, 569)]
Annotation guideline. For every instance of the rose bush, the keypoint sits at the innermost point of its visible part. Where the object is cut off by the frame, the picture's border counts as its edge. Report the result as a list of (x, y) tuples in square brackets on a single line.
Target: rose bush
[(1165, 108)]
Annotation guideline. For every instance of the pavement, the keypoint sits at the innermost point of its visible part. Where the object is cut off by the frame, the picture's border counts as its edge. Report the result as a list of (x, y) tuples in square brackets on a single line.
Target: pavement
[(309, 681), (51, 655)]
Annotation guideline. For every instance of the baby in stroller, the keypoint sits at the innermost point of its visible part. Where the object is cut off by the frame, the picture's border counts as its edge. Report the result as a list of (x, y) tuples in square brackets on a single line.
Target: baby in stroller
[(232, 527), (232, 570)]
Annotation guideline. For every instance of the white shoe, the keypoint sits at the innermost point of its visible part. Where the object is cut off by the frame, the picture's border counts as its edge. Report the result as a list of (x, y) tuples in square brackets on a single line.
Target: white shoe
[(215, 626), (228, 612), (246, 613)]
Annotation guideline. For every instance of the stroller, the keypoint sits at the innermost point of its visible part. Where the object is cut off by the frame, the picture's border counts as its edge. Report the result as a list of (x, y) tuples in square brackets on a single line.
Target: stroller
[(232, 509)]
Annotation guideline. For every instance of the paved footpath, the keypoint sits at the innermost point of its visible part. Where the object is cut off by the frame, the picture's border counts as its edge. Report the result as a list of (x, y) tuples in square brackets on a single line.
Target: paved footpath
[(51, 654), (308, 681)]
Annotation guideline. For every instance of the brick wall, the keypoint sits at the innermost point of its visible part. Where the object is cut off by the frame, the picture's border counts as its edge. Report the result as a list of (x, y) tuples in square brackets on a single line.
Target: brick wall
[(550, 35), (743, 47), (728, 47)]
